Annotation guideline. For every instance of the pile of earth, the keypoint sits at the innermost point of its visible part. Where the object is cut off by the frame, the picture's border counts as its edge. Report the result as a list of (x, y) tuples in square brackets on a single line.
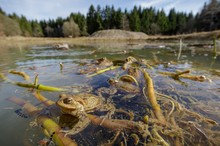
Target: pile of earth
[(119, 34)]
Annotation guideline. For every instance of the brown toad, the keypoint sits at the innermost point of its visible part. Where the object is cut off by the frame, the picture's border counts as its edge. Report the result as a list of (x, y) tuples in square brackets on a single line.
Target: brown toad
[(79, 105)]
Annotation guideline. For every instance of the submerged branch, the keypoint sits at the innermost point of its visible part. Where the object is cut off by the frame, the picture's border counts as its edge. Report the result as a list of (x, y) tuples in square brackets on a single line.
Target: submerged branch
[(43, 99), (50, 128), (53, 129), (152, 98), (159, 139), (182, 75)]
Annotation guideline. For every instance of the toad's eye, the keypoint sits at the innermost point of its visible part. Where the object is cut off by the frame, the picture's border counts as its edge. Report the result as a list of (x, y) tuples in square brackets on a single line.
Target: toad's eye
[(67, 100)]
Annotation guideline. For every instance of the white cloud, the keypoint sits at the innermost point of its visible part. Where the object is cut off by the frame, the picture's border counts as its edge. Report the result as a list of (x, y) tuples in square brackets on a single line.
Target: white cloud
[(45, 9), (150, 3), (171, 5)]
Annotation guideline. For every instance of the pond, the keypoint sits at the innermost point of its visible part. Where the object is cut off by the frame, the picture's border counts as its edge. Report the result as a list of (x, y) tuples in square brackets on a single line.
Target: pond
[(200, 99)]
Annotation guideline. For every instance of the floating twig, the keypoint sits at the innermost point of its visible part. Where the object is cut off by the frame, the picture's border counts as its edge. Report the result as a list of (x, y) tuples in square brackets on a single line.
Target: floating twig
[(102, 71), (182, 75), (23, 74)]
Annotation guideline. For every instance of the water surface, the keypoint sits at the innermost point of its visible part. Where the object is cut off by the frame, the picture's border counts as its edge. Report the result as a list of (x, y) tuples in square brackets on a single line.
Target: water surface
[(45, 62)]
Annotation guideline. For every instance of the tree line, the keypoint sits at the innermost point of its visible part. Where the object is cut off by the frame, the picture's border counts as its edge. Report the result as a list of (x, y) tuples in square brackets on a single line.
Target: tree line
[(147, 20)]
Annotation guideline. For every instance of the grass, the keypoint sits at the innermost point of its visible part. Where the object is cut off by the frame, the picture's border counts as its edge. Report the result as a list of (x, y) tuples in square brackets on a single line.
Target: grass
[(22, 42)]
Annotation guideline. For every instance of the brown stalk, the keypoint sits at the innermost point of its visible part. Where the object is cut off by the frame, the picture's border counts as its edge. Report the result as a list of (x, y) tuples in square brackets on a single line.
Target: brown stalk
[(152, 98)]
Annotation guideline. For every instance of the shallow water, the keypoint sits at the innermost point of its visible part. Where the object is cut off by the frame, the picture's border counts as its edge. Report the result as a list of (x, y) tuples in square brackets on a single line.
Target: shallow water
[(45, 62)]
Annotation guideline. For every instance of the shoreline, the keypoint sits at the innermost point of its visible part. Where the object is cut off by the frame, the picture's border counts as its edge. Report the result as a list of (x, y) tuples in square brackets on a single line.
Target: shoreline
[(19, 41)]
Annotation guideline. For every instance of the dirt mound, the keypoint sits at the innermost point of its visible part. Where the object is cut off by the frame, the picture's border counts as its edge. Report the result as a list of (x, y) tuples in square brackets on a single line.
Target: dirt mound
[(118, 34)]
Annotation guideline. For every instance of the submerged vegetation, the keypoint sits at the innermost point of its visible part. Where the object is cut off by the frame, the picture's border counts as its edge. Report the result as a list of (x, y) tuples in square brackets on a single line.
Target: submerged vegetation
[(141, 104)]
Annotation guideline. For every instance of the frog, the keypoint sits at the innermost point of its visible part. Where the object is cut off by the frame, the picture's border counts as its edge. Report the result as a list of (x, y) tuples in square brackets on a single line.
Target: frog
[(96, 65), (79, 105), (127, 88), (103, 62)]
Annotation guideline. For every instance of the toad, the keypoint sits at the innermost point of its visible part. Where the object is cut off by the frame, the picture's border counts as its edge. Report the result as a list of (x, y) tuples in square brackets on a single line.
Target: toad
[(79, 105)]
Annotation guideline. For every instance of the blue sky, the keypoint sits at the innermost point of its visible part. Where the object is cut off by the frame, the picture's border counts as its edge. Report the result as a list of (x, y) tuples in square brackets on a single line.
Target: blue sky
[(45, 9)]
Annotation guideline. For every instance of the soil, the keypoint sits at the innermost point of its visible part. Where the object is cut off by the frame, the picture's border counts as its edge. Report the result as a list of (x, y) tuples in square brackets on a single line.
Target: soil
[(118, 34), (122, 34)]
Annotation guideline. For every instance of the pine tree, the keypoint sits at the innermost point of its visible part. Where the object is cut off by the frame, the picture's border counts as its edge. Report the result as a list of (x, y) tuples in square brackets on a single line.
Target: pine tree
[(106, 16), (91, 20), (208, 18), (80, 21), (190, 25), (181, 23), (25, 26), (145, 24), (112, 18), (162, 21), (36, 29), (58, 27), (134, 20), (2, 12), (98, 19), (172, 21), (118, 19)]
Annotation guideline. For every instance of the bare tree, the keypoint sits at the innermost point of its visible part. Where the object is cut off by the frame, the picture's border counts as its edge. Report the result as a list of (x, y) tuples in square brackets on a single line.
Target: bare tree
[(125, 22), (70, 28)]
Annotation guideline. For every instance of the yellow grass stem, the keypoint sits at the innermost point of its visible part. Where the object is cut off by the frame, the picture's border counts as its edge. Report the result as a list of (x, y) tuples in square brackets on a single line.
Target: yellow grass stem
[(103, 70), (152, 98), (49, 88), (36, 80), (163, 95), (159, 139), (61, 66), (135, 138), (39, 86), (129, 78), (149, 66), (173, 107), (198, 116), (214, 48), (43, 99), (20, 73), (53, 130), (182, 74)]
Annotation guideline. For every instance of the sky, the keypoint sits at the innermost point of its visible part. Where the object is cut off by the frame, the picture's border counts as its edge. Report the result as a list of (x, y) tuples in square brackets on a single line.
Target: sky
[(51, 9)]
